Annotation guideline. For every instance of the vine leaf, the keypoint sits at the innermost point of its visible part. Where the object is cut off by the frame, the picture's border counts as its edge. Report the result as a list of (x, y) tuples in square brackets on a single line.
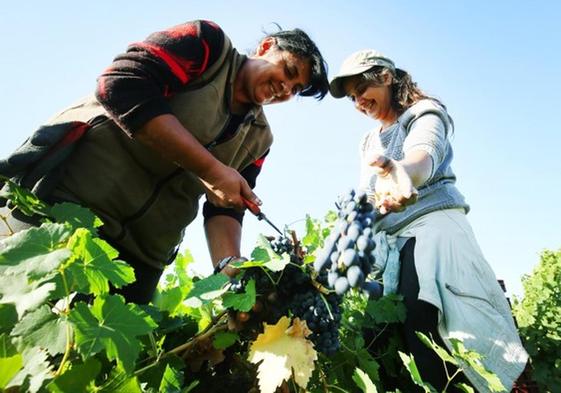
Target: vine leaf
[(205, 290), (112, 325), (10, 367), (473, 359), (35, 251), (36, 369), (76, 379), (21, 197), (75, 215), (241, 301), (223, 340), (42, 328), (282, 351), (411, 366), (263, 255), (94, 266), (363, 381), (172, 380), (8, 317), (441, 352), (24, 294)]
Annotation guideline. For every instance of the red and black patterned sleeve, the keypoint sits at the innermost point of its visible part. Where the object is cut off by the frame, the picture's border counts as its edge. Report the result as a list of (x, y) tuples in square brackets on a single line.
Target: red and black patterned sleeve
[(250, 174), (135, 88)]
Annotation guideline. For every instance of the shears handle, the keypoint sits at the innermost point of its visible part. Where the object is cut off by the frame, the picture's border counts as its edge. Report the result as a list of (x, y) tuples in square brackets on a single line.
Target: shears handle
[(253, 208)]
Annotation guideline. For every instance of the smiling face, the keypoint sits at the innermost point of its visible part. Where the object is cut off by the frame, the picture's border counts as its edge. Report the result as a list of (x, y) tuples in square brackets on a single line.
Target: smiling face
[(372, 99), (271, 76)]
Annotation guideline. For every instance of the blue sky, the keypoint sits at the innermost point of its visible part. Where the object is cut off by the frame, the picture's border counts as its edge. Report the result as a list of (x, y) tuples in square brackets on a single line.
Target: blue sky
[(495, 65)]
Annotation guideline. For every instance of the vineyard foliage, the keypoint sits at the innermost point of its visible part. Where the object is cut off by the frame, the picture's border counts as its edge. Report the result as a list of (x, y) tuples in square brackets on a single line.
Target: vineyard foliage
[(539, 320), (64, 329)]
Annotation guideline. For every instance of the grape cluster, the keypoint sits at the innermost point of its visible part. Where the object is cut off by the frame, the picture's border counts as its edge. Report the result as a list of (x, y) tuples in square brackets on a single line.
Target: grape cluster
[(347, 255), (292, 292), (322, 314)]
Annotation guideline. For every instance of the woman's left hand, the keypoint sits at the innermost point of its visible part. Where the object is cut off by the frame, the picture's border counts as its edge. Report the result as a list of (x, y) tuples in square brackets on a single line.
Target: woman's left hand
[(394, 189)]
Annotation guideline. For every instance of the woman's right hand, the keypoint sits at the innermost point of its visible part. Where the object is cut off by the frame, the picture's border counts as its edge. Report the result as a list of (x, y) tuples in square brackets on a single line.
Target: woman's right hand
[(394, 189), (225, 187)]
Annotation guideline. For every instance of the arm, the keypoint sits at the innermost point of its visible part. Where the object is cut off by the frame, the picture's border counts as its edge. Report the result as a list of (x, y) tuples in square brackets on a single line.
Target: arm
[(223, 234), (135, 89), (223, 225), (397, 181)]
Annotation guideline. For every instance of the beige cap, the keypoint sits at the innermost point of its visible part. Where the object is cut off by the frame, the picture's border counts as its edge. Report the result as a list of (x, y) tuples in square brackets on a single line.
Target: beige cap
[(356, 64)]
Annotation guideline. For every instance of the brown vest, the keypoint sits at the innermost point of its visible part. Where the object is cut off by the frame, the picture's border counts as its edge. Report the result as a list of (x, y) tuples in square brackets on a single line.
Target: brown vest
[(145, 201)]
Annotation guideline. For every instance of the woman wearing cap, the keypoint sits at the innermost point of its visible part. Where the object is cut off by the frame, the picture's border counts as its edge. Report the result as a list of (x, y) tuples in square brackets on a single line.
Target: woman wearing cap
[(449, 289)]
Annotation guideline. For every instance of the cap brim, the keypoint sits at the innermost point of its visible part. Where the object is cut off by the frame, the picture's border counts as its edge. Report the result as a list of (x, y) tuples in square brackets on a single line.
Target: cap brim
[(336, 88)]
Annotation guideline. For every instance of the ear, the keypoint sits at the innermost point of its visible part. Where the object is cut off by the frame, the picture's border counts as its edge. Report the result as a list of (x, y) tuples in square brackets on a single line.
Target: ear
[(266, 45), (388, 79)]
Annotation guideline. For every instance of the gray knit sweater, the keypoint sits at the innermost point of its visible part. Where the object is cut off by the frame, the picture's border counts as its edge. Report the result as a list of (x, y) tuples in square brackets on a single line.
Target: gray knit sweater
[(424, 126)]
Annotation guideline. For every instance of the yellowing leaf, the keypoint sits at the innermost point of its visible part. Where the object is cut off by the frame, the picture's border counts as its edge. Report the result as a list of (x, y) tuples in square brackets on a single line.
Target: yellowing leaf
[(283, 350)]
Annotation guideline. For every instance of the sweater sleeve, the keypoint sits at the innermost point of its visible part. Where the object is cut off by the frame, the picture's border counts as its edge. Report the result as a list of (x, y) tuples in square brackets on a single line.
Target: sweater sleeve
[(250, 174), (428, 133), (136, 86)]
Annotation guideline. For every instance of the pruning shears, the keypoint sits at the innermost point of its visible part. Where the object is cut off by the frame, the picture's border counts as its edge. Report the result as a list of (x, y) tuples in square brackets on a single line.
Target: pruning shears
[(256, 211)]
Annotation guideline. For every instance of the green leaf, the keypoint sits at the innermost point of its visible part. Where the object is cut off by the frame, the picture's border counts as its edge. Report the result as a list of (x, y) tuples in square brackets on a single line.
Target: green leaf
[(411, 366), (363, 381), (8, 317), (7, 348), (112, 325), (312, 238), (191, 386), (241, 301), (24, 199), (171, 380), (465, 388), (24, 294), (10, 367), (441, 352), (368, 364), (35, 371), (206, 290), (387, 309), (168, 299), (264, 255), (35, 251), (223, 340), (78, 378), (94, 267), (76, 215), (42, 328)]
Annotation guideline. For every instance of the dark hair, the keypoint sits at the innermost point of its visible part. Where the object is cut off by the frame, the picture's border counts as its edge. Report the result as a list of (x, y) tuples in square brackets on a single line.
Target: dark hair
[(300, 44), (405, 92)]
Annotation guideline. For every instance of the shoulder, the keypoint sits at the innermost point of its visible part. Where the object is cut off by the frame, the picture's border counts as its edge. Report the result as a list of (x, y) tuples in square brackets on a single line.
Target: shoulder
[(425, 107)]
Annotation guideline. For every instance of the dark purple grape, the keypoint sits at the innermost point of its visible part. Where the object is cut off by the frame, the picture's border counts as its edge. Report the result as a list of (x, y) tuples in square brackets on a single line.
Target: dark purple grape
[(331, 278), (373, 289), (362, 243), (349, 257), (355, 276), (341, 285)]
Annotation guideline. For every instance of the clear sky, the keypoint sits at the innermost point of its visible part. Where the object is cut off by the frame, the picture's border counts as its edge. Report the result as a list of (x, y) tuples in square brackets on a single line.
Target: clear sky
[(496, 65)]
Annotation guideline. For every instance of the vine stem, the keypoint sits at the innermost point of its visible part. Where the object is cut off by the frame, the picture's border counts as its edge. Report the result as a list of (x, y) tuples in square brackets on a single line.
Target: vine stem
[(5, 219), (376, 337), (66, 310), (216, 326)]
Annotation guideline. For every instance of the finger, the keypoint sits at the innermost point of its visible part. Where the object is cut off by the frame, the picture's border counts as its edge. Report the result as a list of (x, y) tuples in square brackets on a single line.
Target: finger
[(381, 162), (247, 193)]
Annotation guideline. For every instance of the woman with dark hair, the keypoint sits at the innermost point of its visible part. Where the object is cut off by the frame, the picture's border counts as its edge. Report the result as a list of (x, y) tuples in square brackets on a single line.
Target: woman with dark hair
[(432, 257)]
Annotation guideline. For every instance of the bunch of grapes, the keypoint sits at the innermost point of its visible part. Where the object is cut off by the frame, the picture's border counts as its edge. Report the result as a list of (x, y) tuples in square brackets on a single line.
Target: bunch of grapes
[(293, 292), (347, 255)]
